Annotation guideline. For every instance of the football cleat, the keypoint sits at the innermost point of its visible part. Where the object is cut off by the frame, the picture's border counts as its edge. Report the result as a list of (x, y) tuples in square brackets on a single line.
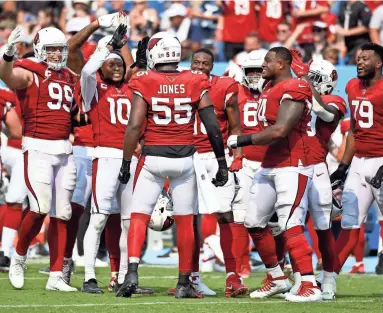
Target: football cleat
[(129, 286), (57, 283), (5, 262), (294, 289), (16, 272), (306, 293), (234, 286), (328, 286), (379, 266), (271, 287), (358, 269), (187, 291), (91, 286), (68, 269), (200, 287)]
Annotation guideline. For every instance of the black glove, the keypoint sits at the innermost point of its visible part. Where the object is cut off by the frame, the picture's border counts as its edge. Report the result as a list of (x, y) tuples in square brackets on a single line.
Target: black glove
[(339, 176), (376, 181), (141, 61), (124, 174), (222, 175), (117, 41)]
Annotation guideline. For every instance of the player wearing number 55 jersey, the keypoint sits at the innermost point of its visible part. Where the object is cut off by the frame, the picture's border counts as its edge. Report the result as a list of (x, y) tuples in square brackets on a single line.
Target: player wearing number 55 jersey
[(364, 148), (169, 99), (45, 91)]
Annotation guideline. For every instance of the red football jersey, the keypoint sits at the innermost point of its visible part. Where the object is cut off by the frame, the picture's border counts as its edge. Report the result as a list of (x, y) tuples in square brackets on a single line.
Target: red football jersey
[(366, 106), (293, 149), (8, 100), (83, 136), (239, 19), (109, 113), (271, 13), (222, 89), (248, 107), (320, 131), (172, 99), (47, 103)]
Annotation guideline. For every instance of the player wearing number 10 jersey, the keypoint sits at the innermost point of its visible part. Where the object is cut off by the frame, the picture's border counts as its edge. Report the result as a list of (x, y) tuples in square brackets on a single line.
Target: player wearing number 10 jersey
[(45, 90), (169, 100), (364, 149)]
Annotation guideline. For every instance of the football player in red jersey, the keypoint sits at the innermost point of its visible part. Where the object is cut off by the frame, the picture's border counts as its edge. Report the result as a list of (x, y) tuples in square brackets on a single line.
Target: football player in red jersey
[(281, 185), (326, 112), (364, 150), (169, 99), (45, 91)]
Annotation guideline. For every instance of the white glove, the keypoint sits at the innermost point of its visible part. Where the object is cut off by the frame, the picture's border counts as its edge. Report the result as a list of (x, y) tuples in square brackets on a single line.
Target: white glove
[(13, 39), (232, 142), (103, 42), (109, 20)]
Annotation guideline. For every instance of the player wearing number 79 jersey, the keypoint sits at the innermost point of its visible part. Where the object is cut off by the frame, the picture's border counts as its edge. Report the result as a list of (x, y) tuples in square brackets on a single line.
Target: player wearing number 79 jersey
[(364, 149), (45, 91)]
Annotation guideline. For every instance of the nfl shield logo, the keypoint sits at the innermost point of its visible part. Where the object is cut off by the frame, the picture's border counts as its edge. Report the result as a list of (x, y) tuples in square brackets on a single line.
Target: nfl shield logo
[(364, 91)]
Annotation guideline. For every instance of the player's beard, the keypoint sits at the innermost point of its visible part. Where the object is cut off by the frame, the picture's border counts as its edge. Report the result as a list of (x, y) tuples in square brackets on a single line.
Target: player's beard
[(370, 75)]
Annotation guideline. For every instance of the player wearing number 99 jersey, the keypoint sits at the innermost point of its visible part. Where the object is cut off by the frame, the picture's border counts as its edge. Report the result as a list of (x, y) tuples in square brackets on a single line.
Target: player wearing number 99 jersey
[(45, 91), (364, 149)]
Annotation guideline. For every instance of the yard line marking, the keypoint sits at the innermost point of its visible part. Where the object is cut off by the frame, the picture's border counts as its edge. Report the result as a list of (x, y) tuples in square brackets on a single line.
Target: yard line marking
[(13, 306)]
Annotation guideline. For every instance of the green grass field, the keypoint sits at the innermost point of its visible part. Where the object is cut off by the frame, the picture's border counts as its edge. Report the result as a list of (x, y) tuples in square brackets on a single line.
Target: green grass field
[(355, 294)]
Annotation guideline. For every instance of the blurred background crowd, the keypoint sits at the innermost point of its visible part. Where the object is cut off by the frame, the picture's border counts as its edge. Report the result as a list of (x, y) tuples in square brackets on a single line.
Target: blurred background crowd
[(320, 29)]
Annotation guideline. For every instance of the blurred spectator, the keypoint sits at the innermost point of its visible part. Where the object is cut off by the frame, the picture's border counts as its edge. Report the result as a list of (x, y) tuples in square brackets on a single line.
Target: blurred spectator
[(373, 4), (182, 27), (319, 30), (376, 26), (307, 12), (26, 45), (271, 14), (81, 8), (186, 50), (237, 12), (286, 38), (331, 55), (7, 24), (143, 21), (27, 11), (354, 19), (45, 18)]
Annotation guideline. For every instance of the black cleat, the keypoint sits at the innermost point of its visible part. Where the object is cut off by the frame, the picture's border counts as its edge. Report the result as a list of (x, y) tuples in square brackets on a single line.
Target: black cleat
[(187, 291), (138, 291), (129, 286), (379, 266), (5, 262), (91, 286)]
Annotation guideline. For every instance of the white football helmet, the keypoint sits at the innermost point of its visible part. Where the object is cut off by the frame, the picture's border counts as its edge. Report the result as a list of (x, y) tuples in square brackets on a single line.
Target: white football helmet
[(162, 216), (163, 47), (254, 60), (51, 37), (323, 76)]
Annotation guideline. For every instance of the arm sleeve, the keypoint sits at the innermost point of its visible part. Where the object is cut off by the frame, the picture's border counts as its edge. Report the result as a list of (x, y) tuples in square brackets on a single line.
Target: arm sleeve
[(88, 80)]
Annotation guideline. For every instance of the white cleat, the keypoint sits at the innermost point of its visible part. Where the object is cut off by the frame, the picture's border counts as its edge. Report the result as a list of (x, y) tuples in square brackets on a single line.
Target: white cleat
[(207, 266), (328, 286), (57, 283), (201, 288), (16, 271), (68, 267), (271, 287), (294, 289), (306, 293)]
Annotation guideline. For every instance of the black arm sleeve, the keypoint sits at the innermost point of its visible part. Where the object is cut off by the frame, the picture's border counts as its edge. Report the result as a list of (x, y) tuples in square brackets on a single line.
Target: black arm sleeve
[(209, 119), (83, 121)]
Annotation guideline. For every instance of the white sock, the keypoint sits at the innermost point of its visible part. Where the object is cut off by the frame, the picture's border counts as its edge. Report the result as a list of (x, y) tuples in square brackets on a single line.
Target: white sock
[(55, 274), (7, 239), (358, 263), (229, 274), (67, 259), (17, 256), (310, 278), (92, 242), (124, 251), (275, 271), (133, 259)]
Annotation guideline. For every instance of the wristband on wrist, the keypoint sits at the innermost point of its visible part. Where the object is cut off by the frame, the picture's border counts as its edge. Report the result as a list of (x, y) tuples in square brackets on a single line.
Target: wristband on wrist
[(126, 163), (343, 167), (222, 164), (244, 140)]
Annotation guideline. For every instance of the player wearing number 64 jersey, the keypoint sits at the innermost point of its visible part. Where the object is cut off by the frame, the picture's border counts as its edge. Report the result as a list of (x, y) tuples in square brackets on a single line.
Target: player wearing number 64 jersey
[(364, 148), (45, 91)]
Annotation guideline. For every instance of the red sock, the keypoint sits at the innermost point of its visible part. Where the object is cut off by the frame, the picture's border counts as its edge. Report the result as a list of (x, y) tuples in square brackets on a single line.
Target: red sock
[(241, 245), (3, 209), (112, 240), (57, 234), (227, 246), (185, 242), (280, 249), (265, 244), (13, 216), (299, 249), (359, 248), (137, 233), (197, 245), (314, 238), (347, 240), (72, 228), (327, 247), (29, 228), (208, 225)]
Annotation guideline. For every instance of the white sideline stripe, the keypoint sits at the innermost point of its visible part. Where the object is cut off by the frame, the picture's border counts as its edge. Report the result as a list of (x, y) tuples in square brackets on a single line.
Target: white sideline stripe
[(169, 303)]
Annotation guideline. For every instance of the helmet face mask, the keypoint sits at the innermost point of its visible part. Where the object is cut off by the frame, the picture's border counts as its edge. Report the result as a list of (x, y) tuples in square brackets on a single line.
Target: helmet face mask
[(48, 55), (253, 66), (252, 80)]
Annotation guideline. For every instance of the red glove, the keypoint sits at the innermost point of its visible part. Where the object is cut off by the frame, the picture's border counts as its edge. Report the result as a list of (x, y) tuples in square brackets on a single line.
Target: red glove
[(237, 164), (299, 68)]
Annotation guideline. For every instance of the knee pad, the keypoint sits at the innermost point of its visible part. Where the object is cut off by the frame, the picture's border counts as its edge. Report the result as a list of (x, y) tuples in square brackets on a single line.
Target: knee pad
[(98, 221), (239, 216), (350, 218), (275, 228), (254, 221)]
